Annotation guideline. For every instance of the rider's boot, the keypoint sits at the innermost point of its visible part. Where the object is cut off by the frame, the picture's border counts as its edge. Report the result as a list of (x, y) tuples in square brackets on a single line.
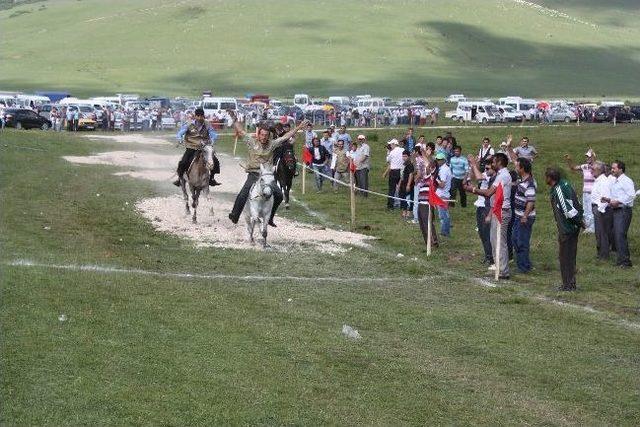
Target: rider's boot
[(176, 183)]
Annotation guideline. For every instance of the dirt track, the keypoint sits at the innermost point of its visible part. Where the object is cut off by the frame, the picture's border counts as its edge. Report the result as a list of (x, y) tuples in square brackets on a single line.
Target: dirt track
[(167, 213)]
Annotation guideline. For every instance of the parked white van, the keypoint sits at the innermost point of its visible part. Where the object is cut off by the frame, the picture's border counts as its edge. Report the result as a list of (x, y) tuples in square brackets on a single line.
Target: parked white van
[(340, 100), (371, 104), (217, 105), (32, 100), (476, 111), (612, 104), (525, 106), (455, 97), (301, 100)]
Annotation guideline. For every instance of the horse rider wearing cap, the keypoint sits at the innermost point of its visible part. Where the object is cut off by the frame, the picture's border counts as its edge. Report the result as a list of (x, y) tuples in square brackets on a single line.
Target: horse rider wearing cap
[(195, 135), (260, 151)]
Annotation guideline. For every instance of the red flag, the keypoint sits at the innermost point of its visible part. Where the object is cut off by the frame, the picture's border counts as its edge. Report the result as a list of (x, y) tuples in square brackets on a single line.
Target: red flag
[(307, 158), (434, 199), (352, 166), (498, 198)]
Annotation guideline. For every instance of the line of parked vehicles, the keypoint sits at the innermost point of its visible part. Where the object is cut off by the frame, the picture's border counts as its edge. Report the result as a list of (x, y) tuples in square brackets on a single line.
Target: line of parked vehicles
[(517, 109), (131, 112)]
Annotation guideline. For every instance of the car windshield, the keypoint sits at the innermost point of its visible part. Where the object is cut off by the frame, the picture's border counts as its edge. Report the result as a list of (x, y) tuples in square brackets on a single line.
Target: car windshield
[(227, 106), (86, 109)]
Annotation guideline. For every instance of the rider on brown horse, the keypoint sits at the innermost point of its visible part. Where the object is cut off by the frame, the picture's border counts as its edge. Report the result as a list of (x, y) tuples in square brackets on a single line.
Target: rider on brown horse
[(196, 135)]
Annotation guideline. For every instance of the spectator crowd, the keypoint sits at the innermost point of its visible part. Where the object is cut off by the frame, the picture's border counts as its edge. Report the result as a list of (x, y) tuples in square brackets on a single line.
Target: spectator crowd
[(506, 193)]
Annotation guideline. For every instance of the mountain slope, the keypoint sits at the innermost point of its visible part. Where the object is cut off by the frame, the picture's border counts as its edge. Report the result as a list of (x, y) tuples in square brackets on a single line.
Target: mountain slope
[(422, 48)]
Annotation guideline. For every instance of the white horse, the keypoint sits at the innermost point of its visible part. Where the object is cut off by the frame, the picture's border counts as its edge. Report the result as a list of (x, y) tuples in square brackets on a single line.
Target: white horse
[(258, 208)]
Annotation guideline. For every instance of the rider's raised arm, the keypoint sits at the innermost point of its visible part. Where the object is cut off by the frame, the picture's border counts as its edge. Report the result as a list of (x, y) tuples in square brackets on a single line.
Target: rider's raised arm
[(182, 132), (287, 136), (236, 125), (213, 136)]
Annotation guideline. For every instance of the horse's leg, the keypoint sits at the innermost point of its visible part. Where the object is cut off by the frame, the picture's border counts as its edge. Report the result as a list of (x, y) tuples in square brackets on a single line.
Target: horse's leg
[(183, 185), (263, 226), (250, 226), (195, 195)]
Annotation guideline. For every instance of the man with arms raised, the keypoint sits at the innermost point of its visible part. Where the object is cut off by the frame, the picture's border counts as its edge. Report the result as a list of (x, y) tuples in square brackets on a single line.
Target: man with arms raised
[(260, 151)]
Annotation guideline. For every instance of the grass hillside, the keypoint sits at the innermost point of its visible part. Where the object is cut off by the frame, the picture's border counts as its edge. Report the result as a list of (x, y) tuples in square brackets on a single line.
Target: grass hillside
[(421, 48), (436, 348)]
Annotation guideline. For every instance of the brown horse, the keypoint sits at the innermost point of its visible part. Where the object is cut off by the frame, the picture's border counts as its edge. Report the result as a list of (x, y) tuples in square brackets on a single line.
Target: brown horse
[(197, 178)]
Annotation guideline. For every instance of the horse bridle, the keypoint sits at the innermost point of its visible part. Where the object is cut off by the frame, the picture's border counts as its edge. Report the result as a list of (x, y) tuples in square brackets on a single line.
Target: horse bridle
[(262, 184)]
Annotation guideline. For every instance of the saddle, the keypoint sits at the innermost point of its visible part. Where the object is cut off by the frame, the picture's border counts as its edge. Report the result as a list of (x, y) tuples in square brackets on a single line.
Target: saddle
[(200, 157)]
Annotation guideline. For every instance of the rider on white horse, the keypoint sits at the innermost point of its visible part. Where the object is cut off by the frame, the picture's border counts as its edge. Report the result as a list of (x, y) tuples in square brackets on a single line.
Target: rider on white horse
[(196, 135), (260, 150)]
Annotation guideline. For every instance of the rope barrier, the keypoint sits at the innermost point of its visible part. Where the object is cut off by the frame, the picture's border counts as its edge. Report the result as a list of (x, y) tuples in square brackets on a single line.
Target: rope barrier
[(330, 178)]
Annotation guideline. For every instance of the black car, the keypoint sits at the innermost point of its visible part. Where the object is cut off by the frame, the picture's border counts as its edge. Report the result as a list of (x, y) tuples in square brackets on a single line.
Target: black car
[(22, 118), (606, 114), (635, 110)]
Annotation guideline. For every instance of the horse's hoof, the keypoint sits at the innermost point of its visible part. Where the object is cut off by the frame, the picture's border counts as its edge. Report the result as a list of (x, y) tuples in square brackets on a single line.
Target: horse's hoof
[(286, 206)]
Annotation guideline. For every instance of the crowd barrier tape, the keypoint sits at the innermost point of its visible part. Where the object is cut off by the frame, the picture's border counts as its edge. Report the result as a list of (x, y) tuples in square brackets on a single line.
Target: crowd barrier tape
[(346, 184)]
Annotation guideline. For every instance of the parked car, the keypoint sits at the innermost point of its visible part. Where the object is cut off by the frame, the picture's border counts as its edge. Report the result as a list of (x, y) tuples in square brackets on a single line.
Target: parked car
[(507, 113), (635, 110), (22, 118), (456, 97), (606, 114), (563, 115), (87, 117)]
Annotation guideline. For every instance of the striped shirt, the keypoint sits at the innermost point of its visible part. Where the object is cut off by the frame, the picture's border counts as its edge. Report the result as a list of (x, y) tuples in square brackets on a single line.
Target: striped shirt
[(525, 193), (588, 178)]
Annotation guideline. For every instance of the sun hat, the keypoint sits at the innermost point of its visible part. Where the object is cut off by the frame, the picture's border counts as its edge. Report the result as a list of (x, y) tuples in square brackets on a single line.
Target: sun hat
[(393, 142), (361, 136), (590, 153), (441, 156)]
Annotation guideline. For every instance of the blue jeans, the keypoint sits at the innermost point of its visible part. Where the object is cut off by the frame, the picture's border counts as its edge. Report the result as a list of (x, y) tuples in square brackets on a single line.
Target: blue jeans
[(521, 237), (445, 221), (318, 169)]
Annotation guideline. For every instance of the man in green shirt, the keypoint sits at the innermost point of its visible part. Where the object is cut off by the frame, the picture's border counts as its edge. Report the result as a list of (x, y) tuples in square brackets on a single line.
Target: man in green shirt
[(260, 150), (568, 213)]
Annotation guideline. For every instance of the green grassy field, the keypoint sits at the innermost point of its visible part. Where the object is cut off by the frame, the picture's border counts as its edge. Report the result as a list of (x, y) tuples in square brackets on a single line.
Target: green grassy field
[(405, 48), (436, 346)]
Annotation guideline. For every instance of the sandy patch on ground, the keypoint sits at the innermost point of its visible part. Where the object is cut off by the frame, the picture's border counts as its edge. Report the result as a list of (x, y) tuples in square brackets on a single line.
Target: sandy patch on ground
[(134, 159), (134, 138), (167, 214)]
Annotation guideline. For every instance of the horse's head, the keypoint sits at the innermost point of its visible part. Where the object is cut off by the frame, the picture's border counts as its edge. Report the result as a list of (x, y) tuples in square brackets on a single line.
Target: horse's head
[(289, 160), (265, 181)]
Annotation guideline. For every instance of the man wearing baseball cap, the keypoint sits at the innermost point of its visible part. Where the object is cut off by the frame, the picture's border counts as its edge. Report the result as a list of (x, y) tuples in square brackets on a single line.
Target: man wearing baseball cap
[(443, 190), (195, 135), (395, 163), (587, 180)]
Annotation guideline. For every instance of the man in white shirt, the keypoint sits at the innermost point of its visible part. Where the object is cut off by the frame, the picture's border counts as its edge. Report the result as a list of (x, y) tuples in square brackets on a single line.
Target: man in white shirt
[(362, 162), (486, 152), (499, 164), (602, 213), (443, 190), (623, 193), (309, 134), (395, 163)]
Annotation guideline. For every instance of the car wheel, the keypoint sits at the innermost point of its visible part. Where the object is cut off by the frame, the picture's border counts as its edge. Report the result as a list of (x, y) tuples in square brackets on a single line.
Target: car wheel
[(484, 120), (18, 125), (45, 126), (567, 119)]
